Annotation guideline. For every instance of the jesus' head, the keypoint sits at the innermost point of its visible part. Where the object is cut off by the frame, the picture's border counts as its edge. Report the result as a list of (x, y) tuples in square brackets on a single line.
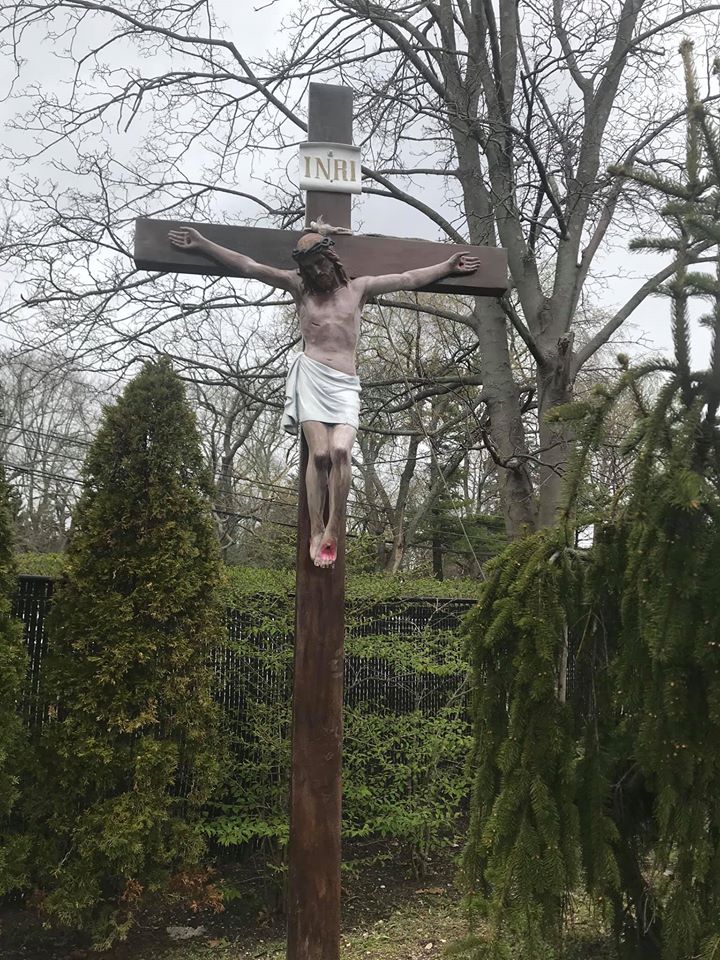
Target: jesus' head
[(318, 264)]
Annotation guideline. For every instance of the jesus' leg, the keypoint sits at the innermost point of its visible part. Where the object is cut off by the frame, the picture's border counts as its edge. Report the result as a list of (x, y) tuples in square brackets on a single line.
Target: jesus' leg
[(342, 438), (316, 479)]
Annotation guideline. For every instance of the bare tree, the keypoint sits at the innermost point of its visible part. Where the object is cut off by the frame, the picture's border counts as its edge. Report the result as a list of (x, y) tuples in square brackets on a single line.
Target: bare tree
[(514, 110), (48, 412), (252, 464), (424, 409)]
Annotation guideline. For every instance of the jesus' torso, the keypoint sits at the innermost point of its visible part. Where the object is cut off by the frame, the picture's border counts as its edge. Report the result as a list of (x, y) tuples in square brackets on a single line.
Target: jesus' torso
[(330, 324)]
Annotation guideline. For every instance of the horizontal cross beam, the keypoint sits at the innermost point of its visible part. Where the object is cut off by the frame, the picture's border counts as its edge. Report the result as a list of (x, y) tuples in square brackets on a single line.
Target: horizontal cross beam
[(363, 255)]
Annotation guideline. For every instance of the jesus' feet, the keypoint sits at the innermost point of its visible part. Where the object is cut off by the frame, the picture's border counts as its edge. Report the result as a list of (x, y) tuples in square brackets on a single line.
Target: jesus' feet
[(315, 541), (327, 554)]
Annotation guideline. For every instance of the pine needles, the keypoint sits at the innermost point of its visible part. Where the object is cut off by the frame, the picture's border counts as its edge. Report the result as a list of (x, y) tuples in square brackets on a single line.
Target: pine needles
[(617, 789)]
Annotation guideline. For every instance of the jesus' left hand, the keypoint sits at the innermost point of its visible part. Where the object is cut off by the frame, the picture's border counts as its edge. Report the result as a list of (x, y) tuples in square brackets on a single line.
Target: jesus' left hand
[(463, 263)]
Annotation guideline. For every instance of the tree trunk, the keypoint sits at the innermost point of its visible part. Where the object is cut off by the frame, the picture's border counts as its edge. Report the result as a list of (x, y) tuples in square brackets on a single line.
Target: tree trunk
[(506, 427), (435, 523), (437, 550), (227, 525), (397, 551), (555, 387)]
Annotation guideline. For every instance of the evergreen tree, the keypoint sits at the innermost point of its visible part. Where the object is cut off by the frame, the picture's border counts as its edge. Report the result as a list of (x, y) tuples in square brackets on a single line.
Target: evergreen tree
[(13, 671), (668, 665), (521, 857), (134, 752), (638, 761)]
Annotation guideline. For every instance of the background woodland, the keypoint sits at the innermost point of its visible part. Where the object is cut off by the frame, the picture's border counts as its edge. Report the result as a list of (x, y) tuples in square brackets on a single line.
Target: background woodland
[(497, 125)]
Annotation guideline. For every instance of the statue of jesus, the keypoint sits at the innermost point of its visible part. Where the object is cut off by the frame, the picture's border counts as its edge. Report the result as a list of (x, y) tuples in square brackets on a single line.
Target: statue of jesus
[(322, 391)]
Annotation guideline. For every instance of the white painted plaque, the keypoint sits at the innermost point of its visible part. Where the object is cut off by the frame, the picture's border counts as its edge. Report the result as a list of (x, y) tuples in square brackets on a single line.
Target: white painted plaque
[(332, 167)]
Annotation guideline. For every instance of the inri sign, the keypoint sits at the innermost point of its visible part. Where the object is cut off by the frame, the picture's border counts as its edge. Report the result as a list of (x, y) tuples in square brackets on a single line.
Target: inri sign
[(331, 167)]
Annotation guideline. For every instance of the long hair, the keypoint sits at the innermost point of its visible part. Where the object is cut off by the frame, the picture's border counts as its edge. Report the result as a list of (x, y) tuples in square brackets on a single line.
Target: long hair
[(340, 273)]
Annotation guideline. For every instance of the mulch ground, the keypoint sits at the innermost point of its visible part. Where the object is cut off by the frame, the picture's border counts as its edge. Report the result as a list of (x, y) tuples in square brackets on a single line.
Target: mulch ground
[(382, 904)]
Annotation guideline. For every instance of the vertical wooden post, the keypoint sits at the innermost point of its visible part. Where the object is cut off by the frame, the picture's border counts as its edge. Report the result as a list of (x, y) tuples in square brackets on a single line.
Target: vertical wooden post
[(315, 787)]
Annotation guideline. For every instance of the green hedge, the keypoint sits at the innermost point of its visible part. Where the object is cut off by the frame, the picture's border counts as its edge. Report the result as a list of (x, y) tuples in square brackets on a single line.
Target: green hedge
[(242, 582), (407, 734)]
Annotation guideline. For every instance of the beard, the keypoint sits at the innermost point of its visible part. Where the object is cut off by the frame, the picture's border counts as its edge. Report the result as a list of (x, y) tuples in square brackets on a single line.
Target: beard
[(319, 283), (326, 281)]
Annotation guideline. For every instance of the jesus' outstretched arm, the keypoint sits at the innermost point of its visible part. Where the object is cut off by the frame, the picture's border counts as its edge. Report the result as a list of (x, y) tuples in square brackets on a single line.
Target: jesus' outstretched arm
[(458, 264), (189, 239)]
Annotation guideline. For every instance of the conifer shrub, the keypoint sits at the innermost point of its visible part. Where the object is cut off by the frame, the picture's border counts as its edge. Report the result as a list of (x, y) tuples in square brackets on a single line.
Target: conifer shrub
[(134, 751), (617, 789), (13, 670), (522, 853)]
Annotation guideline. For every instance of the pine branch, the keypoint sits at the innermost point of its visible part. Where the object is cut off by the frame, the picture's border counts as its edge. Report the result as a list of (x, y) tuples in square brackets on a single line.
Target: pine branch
[(649, 287), (657, 182)]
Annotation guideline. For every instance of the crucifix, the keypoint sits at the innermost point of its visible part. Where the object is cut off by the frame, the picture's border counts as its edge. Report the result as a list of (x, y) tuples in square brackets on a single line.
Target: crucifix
[(333, 274)]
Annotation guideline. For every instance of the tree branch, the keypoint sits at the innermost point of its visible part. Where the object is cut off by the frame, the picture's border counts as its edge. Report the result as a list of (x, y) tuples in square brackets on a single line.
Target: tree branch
[(603, 335)]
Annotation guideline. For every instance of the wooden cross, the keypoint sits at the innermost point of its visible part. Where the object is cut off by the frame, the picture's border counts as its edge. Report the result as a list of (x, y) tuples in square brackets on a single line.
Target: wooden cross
[(315, 791)]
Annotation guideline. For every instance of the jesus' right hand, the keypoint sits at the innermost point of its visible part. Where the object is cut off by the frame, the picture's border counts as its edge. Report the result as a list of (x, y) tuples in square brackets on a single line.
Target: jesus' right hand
[(187, 239)]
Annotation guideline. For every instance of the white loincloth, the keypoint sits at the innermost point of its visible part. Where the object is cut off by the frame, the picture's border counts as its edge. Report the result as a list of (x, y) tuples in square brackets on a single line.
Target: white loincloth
[(314, 391)]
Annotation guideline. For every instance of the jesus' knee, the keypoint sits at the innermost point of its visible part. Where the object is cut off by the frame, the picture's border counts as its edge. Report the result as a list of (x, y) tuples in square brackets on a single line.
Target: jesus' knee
[(340, 457), (321, 460)]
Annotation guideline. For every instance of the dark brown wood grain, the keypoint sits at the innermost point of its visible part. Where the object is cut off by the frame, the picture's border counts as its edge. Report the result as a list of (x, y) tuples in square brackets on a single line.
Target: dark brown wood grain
[(315, 785), (330, 120), (362, 255), (316, 765)]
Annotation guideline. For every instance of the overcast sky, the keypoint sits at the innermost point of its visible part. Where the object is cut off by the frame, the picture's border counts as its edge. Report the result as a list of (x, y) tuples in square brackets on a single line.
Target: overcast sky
[(255, 29)]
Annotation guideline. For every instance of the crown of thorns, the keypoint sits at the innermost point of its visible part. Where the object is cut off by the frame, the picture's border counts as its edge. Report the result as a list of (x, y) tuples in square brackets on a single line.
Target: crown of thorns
[(316, 246)]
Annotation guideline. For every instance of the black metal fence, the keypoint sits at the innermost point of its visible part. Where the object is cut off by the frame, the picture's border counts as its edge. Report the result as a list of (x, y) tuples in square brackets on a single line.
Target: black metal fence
[(31, 605), (256, 663)]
